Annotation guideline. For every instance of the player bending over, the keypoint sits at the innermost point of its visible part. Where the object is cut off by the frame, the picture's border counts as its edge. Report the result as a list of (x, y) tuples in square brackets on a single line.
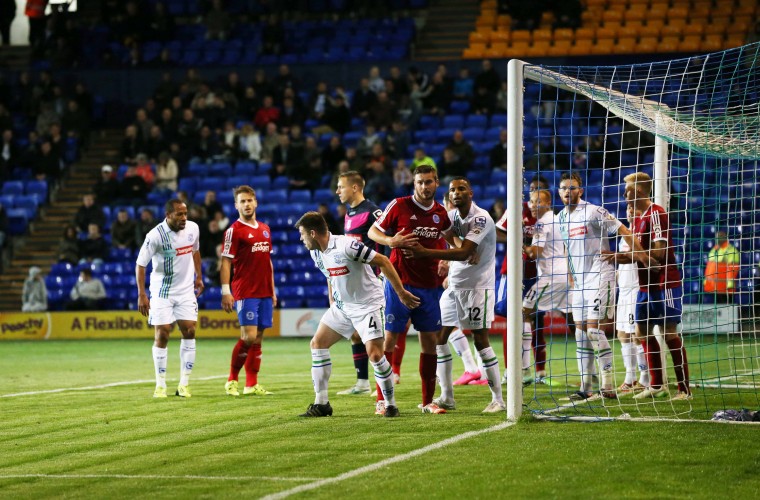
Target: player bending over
[(356, 304)]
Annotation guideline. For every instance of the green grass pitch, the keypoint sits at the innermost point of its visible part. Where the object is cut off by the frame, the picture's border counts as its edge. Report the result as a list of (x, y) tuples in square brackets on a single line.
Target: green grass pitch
[(118, 442)]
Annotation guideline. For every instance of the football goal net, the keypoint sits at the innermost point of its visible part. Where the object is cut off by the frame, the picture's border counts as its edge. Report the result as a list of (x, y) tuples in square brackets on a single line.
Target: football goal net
[(684, 300)]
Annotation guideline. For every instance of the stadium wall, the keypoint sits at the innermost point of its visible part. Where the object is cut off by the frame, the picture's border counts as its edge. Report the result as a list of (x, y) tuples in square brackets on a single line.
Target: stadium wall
[(132, 325)]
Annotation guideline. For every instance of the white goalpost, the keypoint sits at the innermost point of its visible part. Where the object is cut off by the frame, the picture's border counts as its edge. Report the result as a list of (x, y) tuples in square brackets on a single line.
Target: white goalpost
[(693, 125)]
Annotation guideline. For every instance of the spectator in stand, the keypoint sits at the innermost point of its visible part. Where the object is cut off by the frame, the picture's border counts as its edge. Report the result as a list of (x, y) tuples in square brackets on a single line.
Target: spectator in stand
[(124, 231), (332, 222), (46, 117), (144, 225), (145, 170), (355, 162), (313, 159), (30, 151), (451, 166), (188, 130), (364, 98), (342, 168), (379, 174), (376, 82), (488, 78), (249, 143), (68, 246), (497, 210), (483, 102), (402, 177), (206, 149), (167, 172), (722, 270), (46, 166), (464, 85), (401, 89), (168, 125), (75, 123), (94, 248), (134, 189), (333, 154), (463, 150), (383, 112), (290, 114), (89, 213), (272, 36), (367, 141), (218, 22), (270, 142), (162, 24), (88, 294), (319, 101), (7, 13), (155, 143), (211, 236), (267, 114), (397, 140), (34, 295), (143, 124), (420, 158), (261, 84), (107, 188), (498, 154), (438, 99), (10, 155), (211, 206), (337, 117), (287, 160), (57, 143), (131, 145), (501, 98), (567, 14), (229, 142)]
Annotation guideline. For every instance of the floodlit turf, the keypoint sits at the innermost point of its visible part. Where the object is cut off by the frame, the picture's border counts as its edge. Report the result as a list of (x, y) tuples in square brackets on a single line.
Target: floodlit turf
[(119, 442)]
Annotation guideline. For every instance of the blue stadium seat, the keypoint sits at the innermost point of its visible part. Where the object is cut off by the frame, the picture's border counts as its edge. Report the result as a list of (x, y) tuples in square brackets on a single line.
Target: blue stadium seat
[(280, 182), (247, 168), (453, 121), (235, 181), (300, 196), (18, 220), (324, 195), (275, 196), (221, 169), (197, 170), (473, 134), (459, 108), (13, 187), (479, 121), (37, 187), (187, 184), (428, 122), (6, 200), (62, 269)]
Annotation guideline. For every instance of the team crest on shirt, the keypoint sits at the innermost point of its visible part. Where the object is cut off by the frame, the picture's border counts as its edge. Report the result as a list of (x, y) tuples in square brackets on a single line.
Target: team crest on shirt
[(190, 238), (266, 233), (249, 315), (436, 219), (339, 259)]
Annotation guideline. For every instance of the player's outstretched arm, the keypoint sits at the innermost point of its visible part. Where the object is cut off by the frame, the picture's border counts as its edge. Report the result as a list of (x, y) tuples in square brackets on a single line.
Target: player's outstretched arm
[(464, 252), (199, 286), (398, 240), (407, 298), (143, 303), (228, 301)]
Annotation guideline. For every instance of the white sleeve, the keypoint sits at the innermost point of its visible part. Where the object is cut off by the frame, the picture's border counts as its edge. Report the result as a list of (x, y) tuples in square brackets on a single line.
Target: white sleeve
[(197, 239), (502, 224), (147, 250), (479, 229), (606, 222), (357, 251), (541, 234)]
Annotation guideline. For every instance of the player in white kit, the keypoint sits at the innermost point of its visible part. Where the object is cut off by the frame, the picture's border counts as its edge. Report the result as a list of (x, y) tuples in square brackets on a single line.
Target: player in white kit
[(586, 229), (625, 322), (357, 303), (551, 290), (468, 302), (175, 283)]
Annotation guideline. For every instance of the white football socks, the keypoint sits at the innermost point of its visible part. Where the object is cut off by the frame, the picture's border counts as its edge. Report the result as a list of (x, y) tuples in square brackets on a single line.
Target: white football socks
[(187, 360), (603, 353), (461, 346), (321, 368), (641, 357), (384, 378), (444, 371), (491, 367), (527, 341), (159, 363), (628, 350), (584, 354)]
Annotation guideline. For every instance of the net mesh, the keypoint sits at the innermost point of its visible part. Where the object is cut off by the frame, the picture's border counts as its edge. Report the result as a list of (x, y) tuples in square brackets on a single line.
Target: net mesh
[(601, 122)]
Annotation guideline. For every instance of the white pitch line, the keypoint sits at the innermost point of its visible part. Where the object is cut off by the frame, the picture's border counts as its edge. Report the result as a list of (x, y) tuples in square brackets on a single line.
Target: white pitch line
[(151, 476), (94, 387), (388, 461)]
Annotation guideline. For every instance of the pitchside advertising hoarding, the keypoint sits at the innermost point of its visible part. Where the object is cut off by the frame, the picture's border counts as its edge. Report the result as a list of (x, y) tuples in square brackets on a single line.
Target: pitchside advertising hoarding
[(132, 325)]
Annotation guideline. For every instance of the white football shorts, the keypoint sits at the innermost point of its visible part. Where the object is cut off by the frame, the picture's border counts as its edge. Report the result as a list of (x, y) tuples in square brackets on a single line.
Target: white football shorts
[(369, 325), (167, 311), (467, 309)]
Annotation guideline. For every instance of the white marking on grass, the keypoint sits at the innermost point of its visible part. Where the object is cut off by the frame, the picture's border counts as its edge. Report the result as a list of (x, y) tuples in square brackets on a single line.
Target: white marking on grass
[(388, 461), (152, 476), (95, 387)]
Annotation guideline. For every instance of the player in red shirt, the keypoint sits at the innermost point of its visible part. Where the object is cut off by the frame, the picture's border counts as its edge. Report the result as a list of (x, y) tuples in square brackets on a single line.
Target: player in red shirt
[(411, 219), (247, 248), (659, 301)]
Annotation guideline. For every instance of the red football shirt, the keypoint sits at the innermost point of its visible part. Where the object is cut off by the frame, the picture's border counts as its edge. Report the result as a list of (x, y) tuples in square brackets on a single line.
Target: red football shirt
[(529, 266), (651, 226), (249, 246), (405, 214)]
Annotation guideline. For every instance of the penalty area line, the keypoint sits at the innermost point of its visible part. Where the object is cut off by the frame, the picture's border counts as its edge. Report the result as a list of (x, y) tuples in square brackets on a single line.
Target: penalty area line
[(95, 387), (153, 476), (383, 463)]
